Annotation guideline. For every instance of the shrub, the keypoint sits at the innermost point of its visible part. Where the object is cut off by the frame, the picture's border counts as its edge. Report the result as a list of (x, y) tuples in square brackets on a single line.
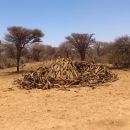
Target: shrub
[(37, 51), (120, 52), (6, 62)]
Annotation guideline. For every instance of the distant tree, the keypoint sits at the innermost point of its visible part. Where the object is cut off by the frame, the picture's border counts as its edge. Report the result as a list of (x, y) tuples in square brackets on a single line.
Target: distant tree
[(120, 52), (98, 47), (49, 51), (10, 51), (1, 48), (81, 42), (65, 50), (21, 37), (101, 51), (37, 51)]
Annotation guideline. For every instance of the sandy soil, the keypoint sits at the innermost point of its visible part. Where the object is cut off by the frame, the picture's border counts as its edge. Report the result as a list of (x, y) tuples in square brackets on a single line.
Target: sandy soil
[(104, 108)]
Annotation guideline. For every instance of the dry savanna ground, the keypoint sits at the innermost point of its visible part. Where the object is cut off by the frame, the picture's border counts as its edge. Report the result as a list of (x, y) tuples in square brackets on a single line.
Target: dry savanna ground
[(104, 108)]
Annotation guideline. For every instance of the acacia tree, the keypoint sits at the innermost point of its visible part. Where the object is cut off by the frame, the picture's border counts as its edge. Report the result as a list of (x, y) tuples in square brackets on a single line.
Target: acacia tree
[(81, 42), (21, 37)]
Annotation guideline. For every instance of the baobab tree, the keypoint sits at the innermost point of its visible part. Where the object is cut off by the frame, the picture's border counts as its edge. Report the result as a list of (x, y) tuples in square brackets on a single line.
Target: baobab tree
[(21, 37), (81, 42)]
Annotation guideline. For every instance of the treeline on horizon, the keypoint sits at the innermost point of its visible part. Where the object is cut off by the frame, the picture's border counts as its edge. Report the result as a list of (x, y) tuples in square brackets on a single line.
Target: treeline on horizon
[(22, 45)]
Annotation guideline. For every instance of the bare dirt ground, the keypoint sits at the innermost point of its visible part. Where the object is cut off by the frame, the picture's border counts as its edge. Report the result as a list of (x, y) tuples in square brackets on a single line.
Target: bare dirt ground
[(104, 108)]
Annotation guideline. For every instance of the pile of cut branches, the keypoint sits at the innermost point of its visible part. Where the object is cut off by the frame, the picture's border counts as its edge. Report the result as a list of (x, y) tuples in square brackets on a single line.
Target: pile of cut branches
[(65, 72)]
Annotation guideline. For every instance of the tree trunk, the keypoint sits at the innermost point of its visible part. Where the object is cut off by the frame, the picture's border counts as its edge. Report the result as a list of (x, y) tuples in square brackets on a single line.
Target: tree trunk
[(67, 54), (82, 55), (18, 59)]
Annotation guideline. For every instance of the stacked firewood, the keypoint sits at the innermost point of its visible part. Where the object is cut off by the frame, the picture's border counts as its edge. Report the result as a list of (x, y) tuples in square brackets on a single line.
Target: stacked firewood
[(93, 74), (65, 72)]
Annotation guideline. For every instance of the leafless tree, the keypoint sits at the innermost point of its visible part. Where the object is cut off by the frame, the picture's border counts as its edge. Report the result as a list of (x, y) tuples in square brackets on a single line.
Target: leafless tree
[(21, 37), (37, 51), (81, 42), (49, 51), (65, 50), (10, 50), (120, 52)]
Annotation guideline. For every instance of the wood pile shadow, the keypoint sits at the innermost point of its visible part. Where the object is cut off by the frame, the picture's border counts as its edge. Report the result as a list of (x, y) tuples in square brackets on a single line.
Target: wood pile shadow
[(66, 73)]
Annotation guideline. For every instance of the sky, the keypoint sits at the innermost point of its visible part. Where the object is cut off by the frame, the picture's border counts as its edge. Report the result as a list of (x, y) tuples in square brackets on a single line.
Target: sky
[(107, 19)]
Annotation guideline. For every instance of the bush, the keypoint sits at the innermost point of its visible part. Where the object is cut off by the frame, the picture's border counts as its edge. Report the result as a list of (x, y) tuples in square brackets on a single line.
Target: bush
[(120, 52), (6, 62), (10, 51), (37, 52)]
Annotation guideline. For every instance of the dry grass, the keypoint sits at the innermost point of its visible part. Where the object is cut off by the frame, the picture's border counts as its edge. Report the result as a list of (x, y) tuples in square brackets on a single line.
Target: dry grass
[(104, 108)]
